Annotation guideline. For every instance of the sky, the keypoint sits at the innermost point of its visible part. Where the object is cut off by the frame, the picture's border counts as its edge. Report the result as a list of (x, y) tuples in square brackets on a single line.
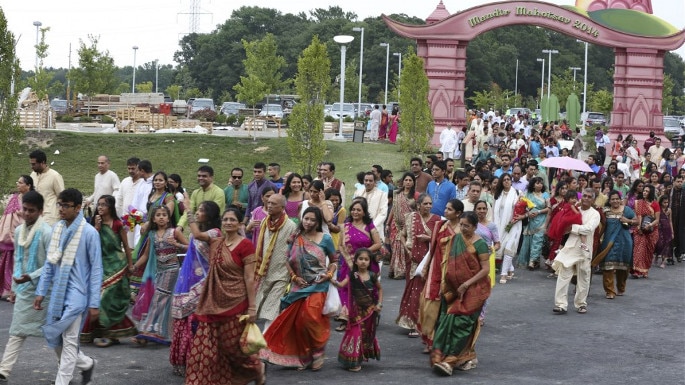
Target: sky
[(155, 26)]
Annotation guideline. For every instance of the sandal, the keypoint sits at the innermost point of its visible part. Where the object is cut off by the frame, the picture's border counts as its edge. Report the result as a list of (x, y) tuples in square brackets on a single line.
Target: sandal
[(413, 334), (341, 327), (582, 310), (317, 364), (558, 311), (105, 342), (610, 296), (503, 280), (442, 369), (355, 368)]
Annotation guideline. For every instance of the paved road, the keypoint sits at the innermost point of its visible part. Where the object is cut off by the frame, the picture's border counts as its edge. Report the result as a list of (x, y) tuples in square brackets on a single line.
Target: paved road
[(635, 339)]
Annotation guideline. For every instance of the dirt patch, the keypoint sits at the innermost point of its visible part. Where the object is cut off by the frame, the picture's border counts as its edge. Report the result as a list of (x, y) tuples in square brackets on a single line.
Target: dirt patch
[(262, 149), (34, 139)]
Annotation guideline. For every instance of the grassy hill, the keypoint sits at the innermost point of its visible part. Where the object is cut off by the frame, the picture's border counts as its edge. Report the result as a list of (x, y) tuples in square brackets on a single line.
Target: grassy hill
[(78, 152)]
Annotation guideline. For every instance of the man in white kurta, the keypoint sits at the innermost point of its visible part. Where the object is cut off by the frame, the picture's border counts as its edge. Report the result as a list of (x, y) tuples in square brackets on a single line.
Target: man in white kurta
[(377, 202), (448, 142), (106, 182), (272, 255), (375, 118), (572, 258), (48, 183)]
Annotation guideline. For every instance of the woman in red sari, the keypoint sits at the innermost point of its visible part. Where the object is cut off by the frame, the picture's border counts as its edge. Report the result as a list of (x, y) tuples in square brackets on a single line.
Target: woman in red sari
[(556, 202), (647, 234), (229, 292), (394, 124), (416, 239), (302, 307), (440, 246), (403, 203)]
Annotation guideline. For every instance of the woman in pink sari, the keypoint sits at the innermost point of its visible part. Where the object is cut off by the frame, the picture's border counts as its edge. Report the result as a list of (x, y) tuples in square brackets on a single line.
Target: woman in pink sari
[(394, 124), (358, 232), (11, 218)]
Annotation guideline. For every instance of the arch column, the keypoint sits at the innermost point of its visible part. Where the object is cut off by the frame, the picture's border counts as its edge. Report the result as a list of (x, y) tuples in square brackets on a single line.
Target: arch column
[(638, 87), (445, 66)]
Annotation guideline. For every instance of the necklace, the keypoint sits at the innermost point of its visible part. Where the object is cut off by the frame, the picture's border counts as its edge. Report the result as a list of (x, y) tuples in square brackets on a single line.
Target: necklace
[(229, 241)]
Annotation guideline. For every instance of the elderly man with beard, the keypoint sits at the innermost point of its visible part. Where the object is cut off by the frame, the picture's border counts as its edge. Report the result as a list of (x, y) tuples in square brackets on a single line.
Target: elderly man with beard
[(272, 256)]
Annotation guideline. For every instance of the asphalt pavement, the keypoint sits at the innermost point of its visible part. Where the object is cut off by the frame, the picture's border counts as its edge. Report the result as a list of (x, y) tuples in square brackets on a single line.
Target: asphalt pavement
[(634, 339)]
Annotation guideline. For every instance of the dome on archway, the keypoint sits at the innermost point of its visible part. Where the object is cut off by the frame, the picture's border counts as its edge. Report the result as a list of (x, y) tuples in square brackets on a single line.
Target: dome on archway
[(438, 14), (596, 5)]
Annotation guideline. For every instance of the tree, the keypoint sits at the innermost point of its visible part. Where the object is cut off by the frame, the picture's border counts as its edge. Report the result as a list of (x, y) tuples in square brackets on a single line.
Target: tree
[(667, 99), (417, 120), (251, 90), (42, 78), (174, 91), (482, 99), (601, 101), (305, 135), (263, 63), (10, 132), (145, 87), (96, 70)]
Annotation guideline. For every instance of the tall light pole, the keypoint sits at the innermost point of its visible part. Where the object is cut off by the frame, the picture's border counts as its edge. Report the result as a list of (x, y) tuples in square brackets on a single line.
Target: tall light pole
[(37, 24), (343, 40), (584, 76), (549, 69), (387, 61), (133, 81), (542, 80), (516, 82), (399, 73), (156, 75), (361, 64), (574, 69)]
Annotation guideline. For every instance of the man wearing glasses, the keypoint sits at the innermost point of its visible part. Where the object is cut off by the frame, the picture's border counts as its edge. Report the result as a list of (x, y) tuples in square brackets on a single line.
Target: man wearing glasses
[(236, 192)]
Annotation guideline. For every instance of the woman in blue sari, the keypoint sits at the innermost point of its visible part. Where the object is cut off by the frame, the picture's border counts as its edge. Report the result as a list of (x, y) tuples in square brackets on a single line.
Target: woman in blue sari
[(616, 256), (534, 232), (204, 225)]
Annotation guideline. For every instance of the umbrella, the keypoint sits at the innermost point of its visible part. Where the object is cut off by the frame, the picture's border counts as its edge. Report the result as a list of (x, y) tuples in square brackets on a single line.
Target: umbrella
[(566, 163)]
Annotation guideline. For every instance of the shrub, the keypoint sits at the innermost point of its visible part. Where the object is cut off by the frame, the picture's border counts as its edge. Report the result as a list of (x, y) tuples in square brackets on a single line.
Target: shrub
[(348, 119), (284, 121), (241, 119), (328, 118), (221, 118), (205, 115), (107, 119), (85, 119), (231, 119), (65, 118)]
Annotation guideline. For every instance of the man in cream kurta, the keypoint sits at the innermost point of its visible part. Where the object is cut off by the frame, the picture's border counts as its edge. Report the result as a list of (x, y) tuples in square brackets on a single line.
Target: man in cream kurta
[(572, 258), (49, 184), (377, 202), (273, 278)]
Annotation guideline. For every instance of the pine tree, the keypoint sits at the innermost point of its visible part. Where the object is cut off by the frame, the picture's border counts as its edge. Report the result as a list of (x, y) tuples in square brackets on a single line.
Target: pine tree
[(305, 135), (416, 120), (10, 132)]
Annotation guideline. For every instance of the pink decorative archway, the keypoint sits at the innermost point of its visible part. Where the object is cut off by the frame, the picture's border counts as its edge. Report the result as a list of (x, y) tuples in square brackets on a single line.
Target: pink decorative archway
[(638, 74)]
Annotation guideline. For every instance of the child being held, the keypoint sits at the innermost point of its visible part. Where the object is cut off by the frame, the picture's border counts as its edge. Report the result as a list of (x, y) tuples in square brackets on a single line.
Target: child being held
[(567, 216)]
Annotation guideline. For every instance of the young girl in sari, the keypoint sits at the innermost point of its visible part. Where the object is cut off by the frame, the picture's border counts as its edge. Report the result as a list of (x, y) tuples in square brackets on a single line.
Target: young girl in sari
[(153, 305), (359, 342)]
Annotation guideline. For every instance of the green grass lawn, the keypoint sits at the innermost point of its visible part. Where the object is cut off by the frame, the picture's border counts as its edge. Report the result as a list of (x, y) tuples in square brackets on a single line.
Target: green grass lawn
[(78, 152)]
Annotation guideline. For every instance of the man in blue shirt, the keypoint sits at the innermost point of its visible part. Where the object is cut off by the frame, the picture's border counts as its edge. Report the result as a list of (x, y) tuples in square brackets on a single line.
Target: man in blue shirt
[(440, 189), (506, 166), (592, 162), (73, 269)]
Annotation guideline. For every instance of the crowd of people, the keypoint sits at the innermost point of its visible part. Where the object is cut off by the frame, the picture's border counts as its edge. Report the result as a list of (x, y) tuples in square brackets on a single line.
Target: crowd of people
[(117, 265)]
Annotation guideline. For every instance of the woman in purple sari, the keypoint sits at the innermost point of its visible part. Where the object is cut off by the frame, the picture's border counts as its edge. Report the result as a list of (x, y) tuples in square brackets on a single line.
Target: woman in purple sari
[(358, 232), (204, 225)]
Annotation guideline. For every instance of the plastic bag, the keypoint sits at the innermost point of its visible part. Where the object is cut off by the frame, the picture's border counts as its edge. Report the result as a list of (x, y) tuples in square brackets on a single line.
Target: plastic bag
[(419, 268), (252, 340), (332, 306)]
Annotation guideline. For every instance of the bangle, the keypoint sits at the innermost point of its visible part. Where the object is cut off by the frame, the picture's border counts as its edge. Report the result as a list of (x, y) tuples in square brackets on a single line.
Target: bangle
[(329, 275), (293, 277)]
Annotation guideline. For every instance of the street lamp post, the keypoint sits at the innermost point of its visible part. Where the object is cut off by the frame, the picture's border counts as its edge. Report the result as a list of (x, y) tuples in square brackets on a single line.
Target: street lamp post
[(399, 73), (156, 75), (542, 79), (516, 82), (549, 69), (133, 81), (574, 69), (343, 40), (361, 64), (387, 60), (37, 24), (584, 76)]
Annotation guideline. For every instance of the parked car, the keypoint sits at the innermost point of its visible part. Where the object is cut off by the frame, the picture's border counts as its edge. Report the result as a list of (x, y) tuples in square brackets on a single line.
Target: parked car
[(231, 108), (672, 126), (593, 119), (516, 111), (275, 110), (348, 110), (365, 110), (59, 106), (200, 104)]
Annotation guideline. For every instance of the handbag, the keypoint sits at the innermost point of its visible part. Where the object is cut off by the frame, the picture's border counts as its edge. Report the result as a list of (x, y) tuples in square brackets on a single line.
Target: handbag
[(252, 340), (332, 306), (422, 264), (646, 220)]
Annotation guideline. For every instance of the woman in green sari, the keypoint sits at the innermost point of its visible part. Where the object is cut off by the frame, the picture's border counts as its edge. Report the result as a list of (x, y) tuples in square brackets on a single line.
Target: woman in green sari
[(465, 287), (112, 323)]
